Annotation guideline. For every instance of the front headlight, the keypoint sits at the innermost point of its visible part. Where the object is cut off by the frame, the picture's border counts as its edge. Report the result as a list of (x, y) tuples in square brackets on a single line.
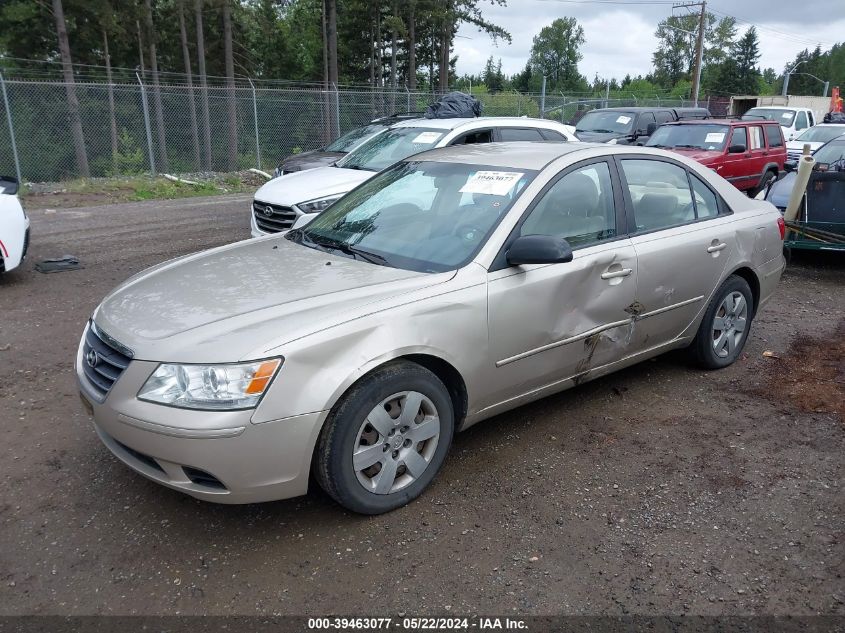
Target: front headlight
[(215, 387), (317, 206)]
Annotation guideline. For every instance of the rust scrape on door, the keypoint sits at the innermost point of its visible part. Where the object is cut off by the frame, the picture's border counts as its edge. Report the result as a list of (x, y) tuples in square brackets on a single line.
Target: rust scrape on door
[(635, 309), (582, 369)]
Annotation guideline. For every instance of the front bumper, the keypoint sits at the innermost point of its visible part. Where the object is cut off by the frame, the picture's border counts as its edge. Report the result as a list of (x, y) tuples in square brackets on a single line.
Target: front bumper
[(211, 455)]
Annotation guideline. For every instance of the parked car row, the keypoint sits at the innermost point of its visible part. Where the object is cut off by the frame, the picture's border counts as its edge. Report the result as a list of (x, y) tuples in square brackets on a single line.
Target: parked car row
[(295, 199)]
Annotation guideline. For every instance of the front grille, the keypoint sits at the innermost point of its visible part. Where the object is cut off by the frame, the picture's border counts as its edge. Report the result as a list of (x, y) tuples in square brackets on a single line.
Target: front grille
[(272, 218), (102, 362), (794, 154)]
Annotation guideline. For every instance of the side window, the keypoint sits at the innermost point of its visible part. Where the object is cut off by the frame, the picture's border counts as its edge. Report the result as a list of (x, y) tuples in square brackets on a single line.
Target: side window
[(740, 137), (755, 137), (479, 136), (706, 203), (519, 134), (552, 135), (645, 119), (660, 194), (774, 136), (801, 121), (578, 207), (663, 117)]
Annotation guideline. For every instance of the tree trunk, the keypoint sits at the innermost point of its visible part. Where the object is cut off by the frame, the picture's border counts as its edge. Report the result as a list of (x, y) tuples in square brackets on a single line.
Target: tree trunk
[(112, 120), (140, 47), (327, 132), (189, 79), (70, 90), (412, 48), (445, 37), (331, 34), (379, 49), (394, 36), (232, 105), (159, 112), (431, 61), (206, 120)]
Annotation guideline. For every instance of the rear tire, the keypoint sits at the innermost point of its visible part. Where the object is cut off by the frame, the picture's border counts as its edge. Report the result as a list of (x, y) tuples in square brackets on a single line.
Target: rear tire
[(386, 439), (725, 326)]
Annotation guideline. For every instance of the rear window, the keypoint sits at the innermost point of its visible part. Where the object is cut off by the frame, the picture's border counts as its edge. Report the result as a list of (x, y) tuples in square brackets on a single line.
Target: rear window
[(773, 135), (508, 134)]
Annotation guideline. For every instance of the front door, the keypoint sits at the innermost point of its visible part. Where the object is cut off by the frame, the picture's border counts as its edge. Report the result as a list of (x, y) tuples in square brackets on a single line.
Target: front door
[(683, 239), (551, 322)]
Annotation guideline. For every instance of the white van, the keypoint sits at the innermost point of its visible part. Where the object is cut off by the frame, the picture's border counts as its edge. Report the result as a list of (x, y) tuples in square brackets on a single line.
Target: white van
[(792, 121)]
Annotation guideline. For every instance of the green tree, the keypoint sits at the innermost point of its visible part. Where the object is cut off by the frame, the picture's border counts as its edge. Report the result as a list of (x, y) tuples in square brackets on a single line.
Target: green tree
[(555, 54)]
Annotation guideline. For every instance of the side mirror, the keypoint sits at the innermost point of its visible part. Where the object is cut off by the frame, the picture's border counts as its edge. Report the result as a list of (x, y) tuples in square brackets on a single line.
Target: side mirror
[(790, 165), (736, 149), (539, 249), (650, 128), (8, 185)]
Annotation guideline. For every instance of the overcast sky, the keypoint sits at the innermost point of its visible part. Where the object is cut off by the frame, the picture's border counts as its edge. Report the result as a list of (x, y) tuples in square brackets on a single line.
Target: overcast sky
[(620, 36)]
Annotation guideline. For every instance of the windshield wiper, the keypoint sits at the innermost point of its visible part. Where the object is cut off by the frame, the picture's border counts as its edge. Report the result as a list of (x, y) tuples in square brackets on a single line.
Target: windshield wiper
[(345, 248), (600, 131), (688, 146)]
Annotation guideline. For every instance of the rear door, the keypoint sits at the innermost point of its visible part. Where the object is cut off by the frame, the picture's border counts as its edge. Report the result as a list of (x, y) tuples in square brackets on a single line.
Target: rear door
[(683, 238), (551, 322)]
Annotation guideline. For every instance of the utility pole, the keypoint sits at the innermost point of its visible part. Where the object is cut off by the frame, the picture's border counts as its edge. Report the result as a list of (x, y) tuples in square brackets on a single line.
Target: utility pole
[(699, 45)]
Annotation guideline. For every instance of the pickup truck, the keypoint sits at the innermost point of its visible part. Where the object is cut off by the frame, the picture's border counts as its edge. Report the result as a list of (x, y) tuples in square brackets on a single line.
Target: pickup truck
[(792, 121), (630, 126)]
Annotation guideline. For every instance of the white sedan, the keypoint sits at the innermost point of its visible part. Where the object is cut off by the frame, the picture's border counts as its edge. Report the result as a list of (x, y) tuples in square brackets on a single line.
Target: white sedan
[(14, 226)]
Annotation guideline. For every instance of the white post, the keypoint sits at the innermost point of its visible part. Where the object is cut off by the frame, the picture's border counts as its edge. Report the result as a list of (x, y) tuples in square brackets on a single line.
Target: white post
[(255, 121), (147, 124), (11, 130)]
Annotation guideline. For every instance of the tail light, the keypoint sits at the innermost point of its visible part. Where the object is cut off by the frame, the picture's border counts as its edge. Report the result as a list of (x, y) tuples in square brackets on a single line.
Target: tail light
[(782, 228)]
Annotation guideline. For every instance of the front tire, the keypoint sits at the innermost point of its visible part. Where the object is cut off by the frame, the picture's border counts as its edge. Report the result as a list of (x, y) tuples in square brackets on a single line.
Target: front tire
[(386, 439), (725, 326)]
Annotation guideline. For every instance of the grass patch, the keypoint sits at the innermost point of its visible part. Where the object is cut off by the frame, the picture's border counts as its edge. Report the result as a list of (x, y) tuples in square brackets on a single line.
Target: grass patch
[(99, 191)]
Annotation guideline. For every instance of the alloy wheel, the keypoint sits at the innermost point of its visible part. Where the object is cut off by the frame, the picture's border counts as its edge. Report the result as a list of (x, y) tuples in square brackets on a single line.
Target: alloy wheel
[(729, 324)]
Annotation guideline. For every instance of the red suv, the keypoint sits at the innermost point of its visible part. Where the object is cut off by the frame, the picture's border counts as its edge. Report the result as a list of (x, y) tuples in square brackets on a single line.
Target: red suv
[(748, 154)]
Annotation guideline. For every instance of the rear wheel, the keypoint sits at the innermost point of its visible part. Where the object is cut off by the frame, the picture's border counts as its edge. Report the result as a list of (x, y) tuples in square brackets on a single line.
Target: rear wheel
[(386, 439), (724, 329)]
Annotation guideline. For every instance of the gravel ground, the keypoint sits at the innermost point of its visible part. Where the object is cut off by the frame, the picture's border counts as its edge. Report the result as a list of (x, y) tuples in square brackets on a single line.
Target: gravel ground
[(658, 490)]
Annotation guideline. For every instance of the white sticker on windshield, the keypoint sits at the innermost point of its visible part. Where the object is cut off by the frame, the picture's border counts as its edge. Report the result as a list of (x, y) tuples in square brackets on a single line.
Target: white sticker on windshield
[(623, 119), (427, 137), (496, 183), (786, 115), (714, 137)]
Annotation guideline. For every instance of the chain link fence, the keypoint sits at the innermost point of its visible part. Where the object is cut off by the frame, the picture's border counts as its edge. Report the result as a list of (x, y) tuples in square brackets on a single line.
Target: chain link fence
[(135, 128)]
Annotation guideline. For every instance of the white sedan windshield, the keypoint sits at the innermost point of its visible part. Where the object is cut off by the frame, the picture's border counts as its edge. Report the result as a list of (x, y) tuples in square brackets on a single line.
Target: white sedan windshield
[(423, 216), (391, 146)]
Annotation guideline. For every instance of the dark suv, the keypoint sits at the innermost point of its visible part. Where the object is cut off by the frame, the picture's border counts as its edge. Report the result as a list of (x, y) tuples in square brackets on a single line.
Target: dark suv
[(630, 126), (748, 154)]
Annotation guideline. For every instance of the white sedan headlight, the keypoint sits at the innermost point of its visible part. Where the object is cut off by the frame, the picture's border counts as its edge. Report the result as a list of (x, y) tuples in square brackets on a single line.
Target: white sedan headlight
[(317, 206), (215, 387)]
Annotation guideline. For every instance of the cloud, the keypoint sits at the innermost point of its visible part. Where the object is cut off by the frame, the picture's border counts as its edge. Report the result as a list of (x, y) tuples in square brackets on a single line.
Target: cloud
[(620, 38)]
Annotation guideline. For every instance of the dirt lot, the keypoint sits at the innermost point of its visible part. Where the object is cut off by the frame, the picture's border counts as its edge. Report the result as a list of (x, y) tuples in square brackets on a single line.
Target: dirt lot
[(660, 489)]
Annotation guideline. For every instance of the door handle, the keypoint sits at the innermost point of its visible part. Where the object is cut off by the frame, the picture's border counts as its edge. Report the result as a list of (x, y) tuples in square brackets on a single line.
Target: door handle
[(613, 274), (716, 247)]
